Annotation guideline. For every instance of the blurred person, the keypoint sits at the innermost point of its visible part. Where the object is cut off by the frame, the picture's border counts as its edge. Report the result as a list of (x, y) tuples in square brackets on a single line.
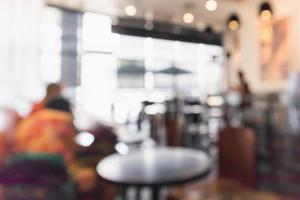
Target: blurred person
[(244, 91), (49, 130), (239, 99), (292, 101), (53, 90)]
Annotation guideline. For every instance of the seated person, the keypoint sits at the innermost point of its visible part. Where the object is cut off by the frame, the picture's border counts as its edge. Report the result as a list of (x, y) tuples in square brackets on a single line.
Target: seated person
[(50, 130)]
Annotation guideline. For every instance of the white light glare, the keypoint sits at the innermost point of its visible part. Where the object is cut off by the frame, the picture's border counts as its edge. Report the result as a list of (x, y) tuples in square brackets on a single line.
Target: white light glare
[(84, 139), (122, 148), (215, 101)]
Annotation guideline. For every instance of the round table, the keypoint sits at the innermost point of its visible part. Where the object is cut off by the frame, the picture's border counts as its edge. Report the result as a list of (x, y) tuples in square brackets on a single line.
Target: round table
[(154, 168)]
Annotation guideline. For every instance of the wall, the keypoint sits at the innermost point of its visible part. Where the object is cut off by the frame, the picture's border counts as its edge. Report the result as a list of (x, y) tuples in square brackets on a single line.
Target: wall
[(248, 35)]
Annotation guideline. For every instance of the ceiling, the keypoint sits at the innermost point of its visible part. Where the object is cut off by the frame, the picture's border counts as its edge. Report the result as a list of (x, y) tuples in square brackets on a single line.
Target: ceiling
[(163, 10)]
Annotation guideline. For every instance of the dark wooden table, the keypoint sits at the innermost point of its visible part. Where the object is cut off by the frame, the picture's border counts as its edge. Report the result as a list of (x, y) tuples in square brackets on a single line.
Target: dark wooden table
[(154, 168)]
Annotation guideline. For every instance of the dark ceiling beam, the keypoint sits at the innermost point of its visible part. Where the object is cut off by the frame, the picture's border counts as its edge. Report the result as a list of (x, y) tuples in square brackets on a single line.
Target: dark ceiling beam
[(163, 30)]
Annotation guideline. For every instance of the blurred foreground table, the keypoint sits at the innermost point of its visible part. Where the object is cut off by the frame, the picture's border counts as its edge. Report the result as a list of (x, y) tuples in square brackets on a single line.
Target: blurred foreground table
[(247, 195), (154, 168)]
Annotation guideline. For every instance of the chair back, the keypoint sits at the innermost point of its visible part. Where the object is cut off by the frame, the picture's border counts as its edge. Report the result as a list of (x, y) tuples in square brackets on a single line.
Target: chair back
[(42, 169), (35, 177), (237, 157)]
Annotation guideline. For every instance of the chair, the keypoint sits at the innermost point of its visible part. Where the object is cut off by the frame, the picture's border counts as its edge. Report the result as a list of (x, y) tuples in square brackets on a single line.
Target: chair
[(236, 166), (36, 176), (237, 155), (90, 185)]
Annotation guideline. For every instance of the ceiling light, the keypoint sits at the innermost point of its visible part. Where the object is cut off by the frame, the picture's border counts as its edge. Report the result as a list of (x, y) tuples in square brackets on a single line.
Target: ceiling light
[(188, 18), (233, 23), (265, 11), (266, 15), (130, 10), (211, 5)]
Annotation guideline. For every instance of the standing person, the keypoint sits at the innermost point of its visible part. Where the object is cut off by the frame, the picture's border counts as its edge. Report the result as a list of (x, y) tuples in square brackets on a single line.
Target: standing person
[(292, 98), (246, 95), (53, 90)]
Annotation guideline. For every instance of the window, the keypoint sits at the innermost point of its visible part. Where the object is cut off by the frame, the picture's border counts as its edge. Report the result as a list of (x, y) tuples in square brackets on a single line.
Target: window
[(98, 68), (51, 44), (118, 71)]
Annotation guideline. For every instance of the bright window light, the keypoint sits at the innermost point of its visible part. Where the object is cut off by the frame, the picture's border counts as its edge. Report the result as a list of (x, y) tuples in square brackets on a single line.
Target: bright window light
[(97, 35), (51, 44), (98, 84), (51, 67)]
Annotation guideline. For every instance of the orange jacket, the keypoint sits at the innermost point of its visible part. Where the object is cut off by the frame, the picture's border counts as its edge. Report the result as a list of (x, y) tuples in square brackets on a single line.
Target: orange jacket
[(47, 131), (37, 107)]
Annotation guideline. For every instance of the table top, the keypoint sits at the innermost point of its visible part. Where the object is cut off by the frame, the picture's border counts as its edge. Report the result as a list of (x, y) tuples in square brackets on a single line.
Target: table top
[(157, 166), (243, 195)]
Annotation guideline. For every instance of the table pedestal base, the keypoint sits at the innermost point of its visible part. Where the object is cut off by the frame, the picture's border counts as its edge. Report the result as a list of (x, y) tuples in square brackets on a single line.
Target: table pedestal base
[(155, 193)]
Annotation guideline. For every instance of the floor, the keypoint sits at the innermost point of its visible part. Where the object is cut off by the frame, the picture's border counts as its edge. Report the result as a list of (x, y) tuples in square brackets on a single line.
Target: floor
[(279, 165)]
